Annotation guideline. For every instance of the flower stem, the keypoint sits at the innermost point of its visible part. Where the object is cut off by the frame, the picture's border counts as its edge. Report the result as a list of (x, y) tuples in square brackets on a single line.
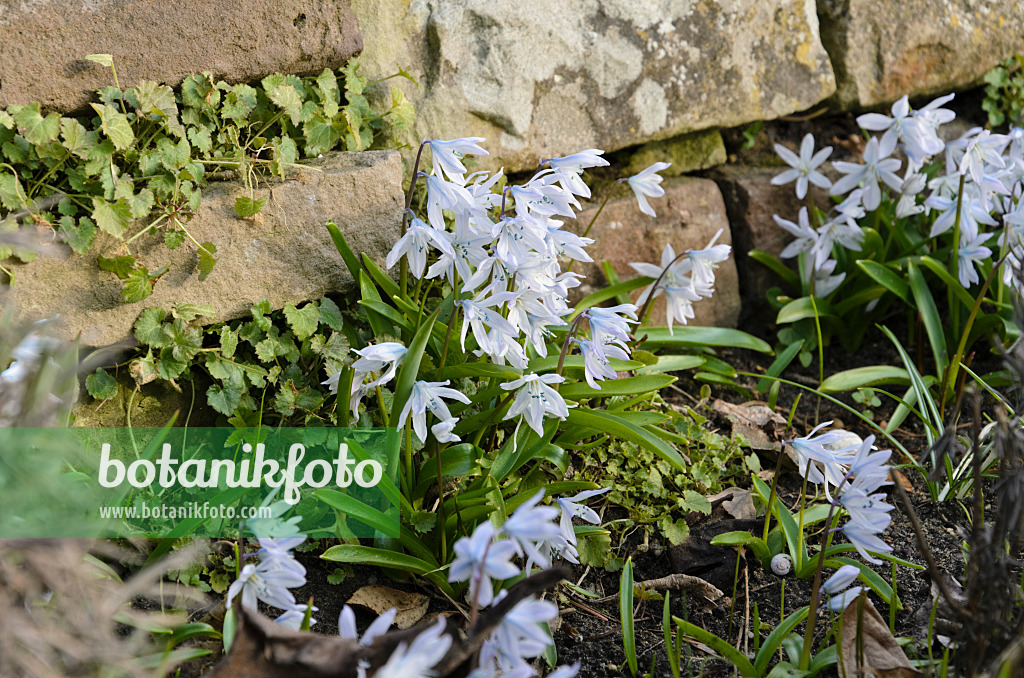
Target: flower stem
[(600, 209), (648, 305), (404, 274)]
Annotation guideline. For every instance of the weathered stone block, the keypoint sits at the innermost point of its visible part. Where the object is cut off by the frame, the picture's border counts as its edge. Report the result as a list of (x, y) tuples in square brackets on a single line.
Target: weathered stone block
[(751, 201), (43, 42), (541, 80), (689, 215), (284, 254), (883, 50)]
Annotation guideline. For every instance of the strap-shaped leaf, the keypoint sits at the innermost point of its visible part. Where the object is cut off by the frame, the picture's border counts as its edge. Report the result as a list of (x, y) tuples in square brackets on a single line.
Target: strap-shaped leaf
[(615, 425)]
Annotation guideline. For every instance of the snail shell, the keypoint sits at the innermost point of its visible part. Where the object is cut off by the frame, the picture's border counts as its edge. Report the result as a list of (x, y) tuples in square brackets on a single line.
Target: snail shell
[(782, 565)]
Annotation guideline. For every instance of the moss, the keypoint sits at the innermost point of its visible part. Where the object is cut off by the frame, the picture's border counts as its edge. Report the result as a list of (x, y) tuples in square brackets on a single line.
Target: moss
[(687, 153)]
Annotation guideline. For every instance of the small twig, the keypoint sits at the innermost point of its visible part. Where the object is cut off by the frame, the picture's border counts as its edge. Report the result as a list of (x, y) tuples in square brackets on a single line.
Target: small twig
[(685, 582)]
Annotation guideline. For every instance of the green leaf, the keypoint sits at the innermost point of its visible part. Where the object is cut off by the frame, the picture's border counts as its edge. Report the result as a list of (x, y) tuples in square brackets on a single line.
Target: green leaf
[(206, 259), (755, 544), (36, 129), (327, 82), (347, 255), (617, 426), (249, 207), (775, 638), (101, 59), (321, 135), (115, 125), (119, 266), (137, 286), (337, 576), (614, 387), (79, 237), (692, 335), (330, 314), (75, 138), (607, 293), (101, 385), (626, 614), (189, 312), (149, 329), (156, 100), (378, 520), (303, 321), (720, 646), (111, 218), (228, 341), (806, 307), (224, 399), (354, 83), (672, 363), (408, 373), (929, 316), (886, 277), (873, 375), (776, 266), (141, 203), (174, 239), (284, 96)]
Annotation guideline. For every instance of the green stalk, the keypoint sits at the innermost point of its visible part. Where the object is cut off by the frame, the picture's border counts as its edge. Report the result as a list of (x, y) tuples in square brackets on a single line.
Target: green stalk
[(404, 267), (954, 305)]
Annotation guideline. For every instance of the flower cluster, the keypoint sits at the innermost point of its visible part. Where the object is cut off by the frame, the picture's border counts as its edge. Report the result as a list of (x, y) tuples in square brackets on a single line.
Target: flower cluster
[(269, 580), (855, 473), (976, 189), (534, 531), (501, 255)]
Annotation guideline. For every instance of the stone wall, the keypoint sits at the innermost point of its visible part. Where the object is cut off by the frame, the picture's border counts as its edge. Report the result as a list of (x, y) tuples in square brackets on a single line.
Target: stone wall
[(658, 78)]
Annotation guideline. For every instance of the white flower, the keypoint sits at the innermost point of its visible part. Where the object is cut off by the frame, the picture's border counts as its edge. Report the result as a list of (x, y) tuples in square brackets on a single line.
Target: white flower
[(969, 255), (417, 660), (865, 539), (535, 399), (804, 166), (380, 625), (704, 262), (480, 316), (916, 132), (479, 558), (648, 184), (824, 282), (415, 245), (443, 431), (606, 323), (839, 231), (835, 589), (877, 166), (806, 237), (569, 169), (268, 582), (984, 149), (428, 396), (376, 357), (294, 616), (596, 360), (676, 284), (445, 195), (572, 507), (447, 156)]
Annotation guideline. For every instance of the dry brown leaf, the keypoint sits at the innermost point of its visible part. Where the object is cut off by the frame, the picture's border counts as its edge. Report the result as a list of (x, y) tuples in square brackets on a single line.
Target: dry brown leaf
[(738, 502), (756, 422), (902, 480), (411, 606), (882, 655)]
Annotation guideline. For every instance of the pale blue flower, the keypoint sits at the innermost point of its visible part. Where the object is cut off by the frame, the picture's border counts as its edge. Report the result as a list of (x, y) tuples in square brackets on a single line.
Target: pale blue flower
[(804, 167), (836, 591), (416, 244), (596, 360), (970, 255), (535, 399), (443, 431), (573, 507), (865, 539), (480, 316), (806, 237), (447, 156), (428, 396), (611, 323), (268, 582), (532, 523), (570, 168), (647, 184), (676, 284), (479, 559), (375, 357), (379, 626), (417, 659), (878, 166), (293, 617), (445, 195)]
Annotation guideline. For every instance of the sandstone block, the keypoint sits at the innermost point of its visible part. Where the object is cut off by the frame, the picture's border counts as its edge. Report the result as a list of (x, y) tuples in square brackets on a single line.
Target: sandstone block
[(43, 42), (689, 215), (883, 50), (541, 80), (284, 254)]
